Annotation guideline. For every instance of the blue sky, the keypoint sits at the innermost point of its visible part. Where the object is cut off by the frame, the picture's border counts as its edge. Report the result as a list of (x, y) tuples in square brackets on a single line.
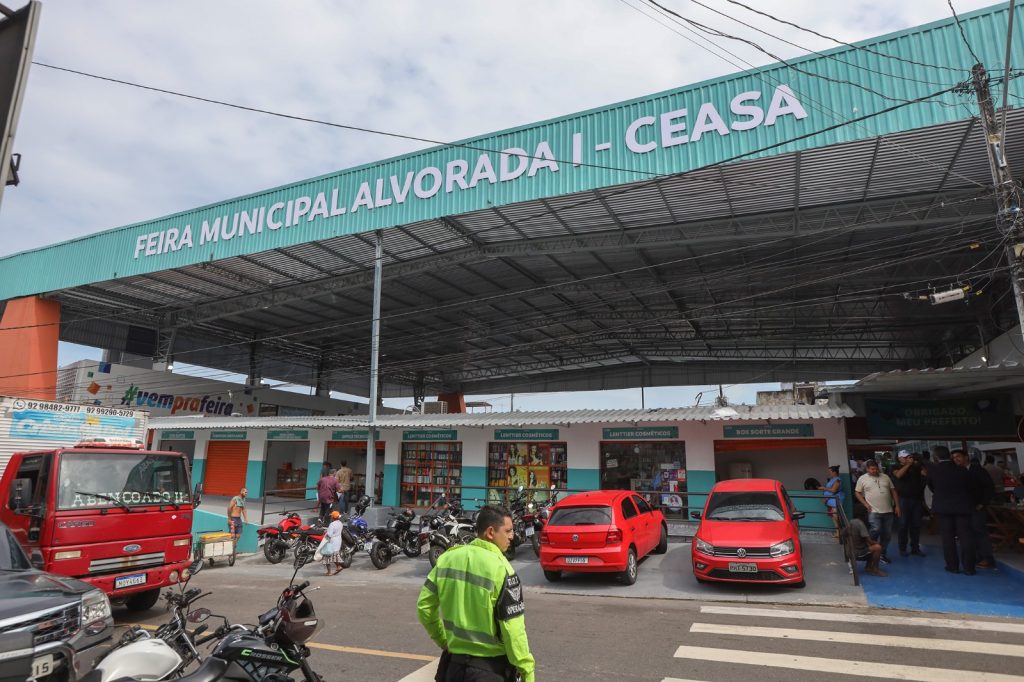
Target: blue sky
[(96, 155)]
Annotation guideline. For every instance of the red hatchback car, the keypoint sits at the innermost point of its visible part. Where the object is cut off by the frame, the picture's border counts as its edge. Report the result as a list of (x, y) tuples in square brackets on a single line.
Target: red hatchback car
[(603, 531), (749, 532)]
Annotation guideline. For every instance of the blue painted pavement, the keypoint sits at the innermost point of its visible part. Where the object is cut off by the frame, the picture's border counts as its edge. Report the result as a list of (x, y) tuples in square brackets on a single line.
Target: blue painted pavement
[(923, 584)]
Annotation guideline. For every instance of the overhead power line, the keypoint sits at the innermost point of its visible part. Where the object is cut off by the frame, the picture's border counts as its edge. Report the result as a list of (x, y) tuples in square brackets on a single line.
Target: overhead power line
[(963, 33)]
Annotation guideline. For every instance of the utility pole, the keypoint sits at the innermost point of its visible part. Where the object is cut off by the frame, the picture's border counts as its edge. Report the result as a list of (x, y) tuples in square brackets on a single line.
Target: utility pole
[(371, 437), (1008, 209)]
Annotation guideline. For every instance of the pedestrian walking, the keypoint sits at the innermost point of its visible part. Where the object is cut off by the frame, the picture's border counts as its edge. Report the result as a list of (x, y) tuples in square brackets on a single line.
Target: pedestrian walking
[(471, 605), (909, 479), (344, 477), (331, 551), (951, 504), (237, 515), (326, 494), (878, 495), (833, 491), (982, 494)]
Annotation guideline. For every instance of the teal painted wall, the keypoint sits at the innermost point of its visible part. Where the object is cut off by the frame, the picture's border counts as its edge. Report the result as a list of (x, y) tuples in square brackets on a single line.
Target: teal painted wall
[(861, 82), (698, 483), (584, 479), (198, 470), (254, 478), (389, 492), (474, 487), (206, 522), (312, 477)]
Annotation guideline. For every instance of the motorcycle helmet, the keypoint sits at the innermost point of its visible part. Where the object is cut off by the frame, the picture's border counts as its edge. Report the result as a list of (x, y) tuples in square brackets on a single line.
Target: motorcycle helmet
[(436, 523), (363, 503), (409, 513), (298, 623)]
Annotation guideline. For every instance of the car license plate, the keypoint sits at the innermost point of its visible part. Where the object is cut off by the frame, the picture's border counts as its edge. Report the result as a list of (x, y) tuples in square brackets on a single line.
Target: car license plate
[(43, 666), (577, 559), (529, 531), (742, 568), (129, 580)]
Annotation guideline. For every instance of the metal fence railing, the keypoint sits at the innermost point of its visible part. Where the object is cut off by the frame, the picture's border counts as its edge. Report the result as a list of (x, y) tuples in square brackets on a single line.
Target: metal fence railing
[(846, 539), (283, 501)]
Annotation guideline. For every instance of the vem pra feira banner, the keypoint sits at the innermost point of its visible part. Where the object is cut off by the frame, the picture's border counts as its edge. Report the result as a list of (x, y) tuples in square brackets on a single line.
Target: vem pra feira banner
[(746, 111), (940, 418), (70, 427)]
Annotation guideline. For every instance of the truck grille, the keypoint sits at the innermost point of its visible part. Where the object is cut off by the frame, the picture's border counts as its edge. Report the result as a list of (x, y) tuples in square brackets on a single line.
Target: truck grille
[(761, 552), (122, 562), (55, 625)]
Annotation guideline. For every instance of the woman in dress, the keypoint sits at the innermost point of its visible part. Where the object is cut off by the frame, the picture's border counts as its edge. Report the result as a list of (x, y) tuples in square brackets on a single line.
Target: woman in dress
[(331, 552), (833, 490)]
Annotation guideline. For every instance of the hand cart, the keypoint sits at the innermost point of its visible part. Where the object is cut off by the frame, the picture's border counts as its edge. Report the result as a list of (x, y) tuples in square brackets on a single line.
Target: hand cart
[(215, 545)]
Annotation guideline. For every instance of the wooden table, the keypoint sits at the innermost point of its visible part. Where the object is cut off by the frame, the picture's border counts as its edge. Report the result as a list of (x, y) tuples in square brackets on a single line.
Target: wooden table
[(1006, 526)]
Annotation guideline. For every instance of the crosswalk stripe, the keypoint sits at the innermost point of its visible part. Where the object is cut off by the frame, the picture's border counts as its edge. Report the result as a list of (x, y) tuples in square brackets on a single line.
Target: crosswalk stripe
[(840, 667), (992, 648), (837, 617)]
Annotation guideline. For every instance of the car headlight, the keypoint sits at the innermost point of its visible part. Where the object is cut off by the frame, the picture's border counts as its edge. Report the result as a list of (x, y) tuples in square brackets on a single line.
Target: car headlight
[(95, 607), (781, 549), (704, 547)]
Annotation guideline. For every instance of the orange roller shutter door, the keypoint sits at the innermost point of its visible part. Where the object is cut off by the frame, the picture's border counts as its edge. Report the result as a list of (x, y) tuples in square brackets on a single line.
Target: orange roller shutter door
[(226, 464)]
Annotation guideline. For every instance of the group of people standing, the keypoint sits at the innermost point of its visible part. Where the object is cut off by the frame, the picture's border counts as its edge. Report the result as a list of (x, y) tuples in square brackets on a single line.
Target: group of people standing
[(961, 491), (333, 489)]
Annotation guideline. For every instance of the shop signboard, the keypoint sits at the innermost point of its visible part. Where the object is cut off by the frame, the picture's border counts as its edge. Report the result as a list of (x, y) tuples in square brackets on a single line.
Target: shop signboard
[(769, 431), (288, 434), (641, 433), (962, 418), (227, 435), (354, 434), (430, 435), (526, 434), (177, 435)]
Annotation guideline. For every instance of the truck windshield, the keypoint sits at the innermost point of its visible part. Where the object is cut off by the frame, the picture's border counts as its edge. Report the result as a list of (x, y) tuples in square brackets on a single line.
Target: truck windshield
[(121, 479)]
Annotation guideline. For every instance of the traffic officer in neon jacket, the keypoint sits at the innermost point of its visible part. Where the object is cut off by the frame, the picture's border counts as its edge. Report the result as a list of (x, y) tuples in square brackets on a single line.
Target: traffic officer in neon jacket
[(472, 607)]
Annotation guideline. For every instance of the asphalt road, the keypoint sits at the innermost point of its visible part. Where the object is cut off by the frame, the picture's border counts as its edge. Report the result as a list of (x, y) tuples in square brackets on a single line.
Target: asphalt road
[(371, 634)]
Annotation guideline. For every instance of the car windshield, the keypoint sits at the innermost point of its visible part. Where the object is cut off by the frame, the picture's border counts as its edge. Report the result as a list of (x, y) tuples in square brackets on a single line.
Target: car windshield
[(581, 516), (12, 557), (121, 479), (744, 506)]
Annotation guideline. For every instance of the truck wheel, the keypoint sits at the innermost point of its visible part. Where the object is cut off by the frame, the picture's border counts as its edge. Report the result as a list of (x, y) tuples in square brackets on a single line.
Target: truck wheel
[(143, 601)]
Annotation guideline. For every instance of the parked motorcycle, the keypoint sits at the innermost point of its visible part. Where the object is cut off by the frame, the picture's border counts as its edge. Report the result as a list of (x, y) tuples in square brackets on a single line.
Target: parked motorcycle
[(164, 654), (397, 536), (536, 516), (306, 544), (268, 652), (517, 508), (445, 529), (280, 538)]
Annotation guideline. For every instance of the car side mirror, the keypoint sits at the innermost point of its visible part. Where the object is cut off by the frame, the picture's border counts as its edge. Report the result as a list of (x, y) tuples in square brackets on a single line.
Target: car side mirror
[(37, 560), (694, 515), (197, 495), (799, 515)]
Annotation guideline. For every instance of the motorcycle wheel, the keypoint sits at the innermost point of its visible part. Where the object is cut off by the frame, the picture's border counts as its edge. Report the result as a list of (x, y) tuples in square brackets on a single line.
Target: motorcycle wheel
[(380, 555), (510, 553), (434, 553), (275, 551), (411, 546), (535, 543), (346, 556), (466, 537), (302, 556)]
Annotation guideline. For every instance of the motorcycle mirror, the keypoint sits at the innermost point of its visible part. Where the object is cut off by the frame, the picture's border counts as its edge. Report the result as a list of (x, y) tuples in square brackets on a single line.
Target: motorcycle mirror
[(519, 489), (198, 616), (193, 568)]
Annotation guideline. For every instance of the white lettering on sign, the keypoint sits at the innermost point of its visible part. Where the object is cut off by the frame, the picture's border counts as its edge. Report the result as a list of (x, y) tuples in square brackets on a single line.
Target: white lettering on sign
[(645, 134)]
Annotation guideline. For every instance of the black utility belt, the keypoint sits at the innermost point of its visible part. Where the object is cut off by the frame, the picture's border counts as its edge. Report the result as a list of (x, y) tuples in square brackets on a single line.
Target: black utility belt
[(495, 664)]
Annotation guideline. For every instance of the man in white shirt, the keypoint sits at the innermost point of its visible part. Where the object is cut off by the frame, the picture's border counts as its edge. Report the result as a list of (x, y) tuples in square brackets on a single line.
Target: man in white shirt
[(876, 492)]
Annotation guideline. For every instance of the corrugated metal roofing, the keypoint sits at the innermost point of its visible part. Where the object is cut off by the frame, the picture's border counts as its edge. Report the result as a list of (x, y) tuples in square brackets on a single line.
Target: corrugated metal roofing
[(517, 419), (1007, 375)]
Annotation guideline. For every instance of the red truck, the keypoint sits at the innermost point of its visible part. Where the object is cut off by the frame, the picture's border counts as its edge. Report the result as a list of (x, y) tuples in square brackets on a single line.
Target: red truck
[(104, 511)]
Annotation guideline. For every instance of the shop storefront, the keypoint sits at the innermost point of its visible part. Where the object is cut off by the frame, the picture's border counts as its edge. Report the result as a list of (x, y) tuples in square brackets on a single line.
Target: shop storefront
[(287, 459), (431, 466), (532, 458), (349, 446), (227, 462), (652, 458)]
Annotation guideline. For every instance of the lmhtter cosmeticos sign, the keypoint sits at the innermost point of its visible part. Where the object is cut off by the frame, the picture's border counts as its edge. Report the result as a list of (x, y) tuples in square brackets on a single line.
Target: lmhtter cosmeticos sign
[(940, 418)]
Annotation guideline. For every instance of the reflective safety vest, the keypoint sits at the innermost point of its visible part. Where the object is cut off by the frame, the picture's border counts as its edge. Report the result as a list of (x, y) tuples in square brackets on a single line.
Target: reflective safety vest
[(472, 604)]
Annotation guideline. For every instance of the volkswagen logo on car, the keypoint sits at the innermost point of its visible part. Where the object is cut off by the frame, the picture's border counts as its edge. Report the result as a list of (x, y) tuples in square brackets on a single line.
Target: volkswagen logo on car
[(128, 549), (741, 552), (575, 537)]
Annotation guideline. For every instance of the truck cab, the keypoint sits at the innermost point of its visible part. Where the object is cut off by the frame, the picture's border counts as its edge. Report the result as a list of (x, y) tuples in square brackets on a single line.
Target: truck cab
[(104, 511)]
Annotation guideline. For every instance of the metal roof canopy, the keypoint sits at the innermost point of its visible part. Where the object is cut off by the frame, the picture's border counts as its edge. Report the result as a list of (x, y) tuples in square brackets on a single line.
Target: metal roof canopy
[(519, 419), (764, 269)]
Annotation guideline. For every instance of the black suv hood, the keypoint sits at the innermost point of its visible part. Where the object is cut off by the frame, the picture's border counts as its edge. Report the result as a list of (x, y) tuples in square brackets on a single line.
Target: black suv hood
[(26, 591)]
